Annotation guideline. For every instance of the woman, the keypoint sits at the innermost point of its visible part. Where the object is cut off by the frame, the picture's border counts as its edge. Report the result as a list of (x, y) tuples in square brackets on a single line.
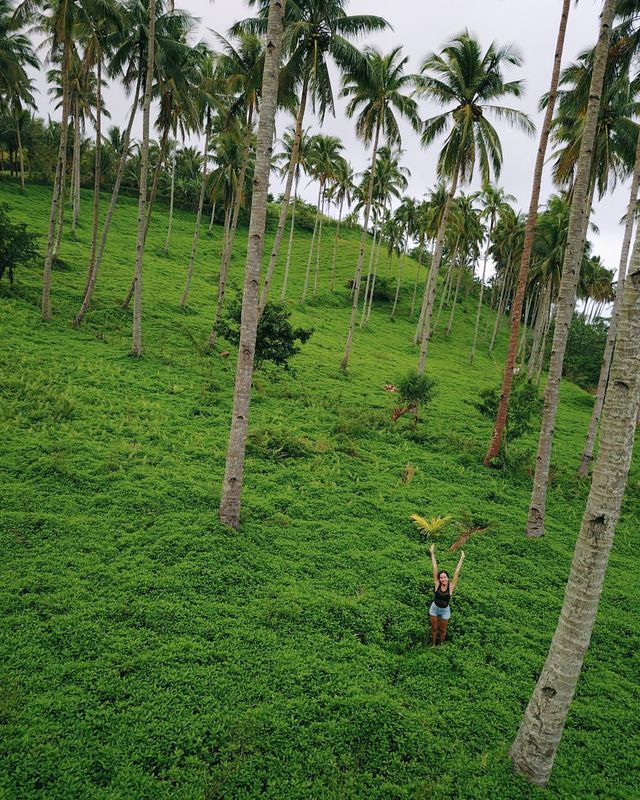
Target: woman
[(440, 610)]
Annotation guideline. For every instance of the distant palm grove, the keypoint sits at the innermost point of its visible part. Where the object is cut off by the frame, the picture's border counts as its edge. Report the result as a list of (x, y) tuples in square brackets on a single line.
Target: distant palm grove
[(516, 299)]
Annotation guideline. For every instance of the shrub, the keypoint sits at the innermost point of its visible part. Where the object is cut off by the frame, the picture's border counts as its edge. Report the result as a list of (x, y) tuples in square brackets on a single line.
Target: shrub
[(585, 349), (276, 337), (17, 245), (525, 404), (414, 390)]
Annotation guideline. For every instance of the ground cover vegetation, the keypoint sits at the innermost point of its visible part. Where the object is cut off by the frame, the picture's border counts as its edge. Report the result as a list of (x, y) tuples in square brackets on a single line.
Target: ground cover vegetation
[(149, 652), (125, 442)]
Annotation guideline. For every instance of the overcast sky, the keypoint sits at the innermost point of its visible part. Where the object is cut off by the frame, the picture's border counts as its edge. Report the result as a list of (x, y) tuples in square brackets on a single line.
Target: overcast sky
[(423, 26)]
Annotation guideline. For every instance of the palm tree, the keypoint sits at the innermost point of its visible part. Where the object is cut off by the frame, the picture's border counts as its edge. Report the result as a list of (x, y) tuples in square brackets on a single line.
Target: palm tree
[(16, 91), (533, 751), (406, 219), (136, 346), (324, 159), (314, 31), (129, 60), (470, 81), (580, 209), (376, 88), (209, 88), (342, 193), (302, 165), (234, 468), (494, 201)]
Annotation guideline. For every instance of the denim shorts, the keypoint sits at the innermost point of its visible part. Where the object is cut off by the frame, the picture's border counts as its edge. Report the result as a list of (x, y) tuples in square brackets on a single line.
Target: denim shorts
[(443, 613)]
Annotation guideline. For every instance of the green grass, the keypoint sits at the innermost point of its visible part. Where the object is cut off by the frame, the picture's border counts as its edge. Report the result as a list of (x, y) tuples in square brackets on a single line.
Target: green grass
[(148, 652)]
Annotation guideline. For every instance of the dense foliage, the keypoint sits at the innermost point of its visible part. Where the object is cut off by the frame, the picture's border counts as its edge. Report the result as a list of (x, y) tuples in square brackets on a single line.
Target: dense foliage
[(585, 348), (17, 244)]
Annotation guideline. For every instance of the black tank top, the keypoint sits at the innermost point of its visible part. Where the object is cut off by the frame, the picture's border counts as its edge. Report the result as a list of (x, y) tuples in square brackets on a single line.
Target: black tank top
[(442, 598)]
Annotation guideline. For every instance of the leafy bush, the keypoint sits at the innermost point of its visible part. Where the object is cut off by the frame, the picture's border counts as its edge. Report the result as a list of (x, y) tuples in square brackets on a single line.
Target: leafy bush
[(276, 338), (383, 290), (585, 349), (525, 404), (414, 390), (17, 245)]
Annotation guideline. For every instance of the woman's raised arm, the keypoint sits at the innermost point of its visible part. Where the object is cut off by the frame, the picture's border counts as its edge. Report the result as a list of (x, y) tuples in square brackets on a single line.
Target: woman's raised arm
[(454, 581), (434, 566)]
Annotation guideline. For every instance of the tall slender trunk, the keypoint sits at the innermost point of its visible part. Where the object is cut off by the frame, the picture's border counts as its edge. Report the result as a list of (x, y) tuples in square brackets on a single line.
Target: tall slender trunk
[(196, 232), (172, 194), (479, 309), (335, 249), (417, 281), (88, 292), (136, 345), (504, 292), (58, 186), (373, 280), (285, 279), (587, 453), (430, 289), (75, 167), (372, 255), (284, 206), (538, 332), (358, 274), (318, 246), (522, 346), (447, 332), (400, 274), (222, 278), (570, 276), (311, 247), (533, 751), (98, 168), (543, 345), (516, 309), (20, 153), (234, 469)]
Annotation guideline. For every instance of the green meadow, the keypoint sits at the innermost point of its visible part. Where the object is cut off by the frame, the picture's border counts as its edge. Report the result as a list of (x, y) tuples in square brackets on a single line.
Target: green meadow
[(147, 652)]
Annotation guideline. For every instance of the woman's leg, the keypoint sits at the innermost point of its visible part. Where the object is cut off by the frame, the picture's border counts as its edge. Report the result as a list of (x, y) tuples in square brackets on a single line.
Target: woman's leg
[(442, 625), (434, 628)]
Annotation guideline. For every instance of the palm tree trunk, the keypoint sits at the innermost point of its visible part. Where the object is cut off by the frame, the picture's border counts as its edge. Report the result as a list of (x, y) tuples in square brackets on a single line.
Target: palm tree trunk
[(587, 453), (358, 274), (136, 345), (373, 280), (430, 289), (541, 323), (234, 469), (522, 345), (479, 310), (75, 168), (58, 186), (372, 255), (88, 292), (417, 281), (165, 249), (533, 751), (543, 345), (570, 276), (516, 309), (400, 274), (455, 301), (501, 305), (97, 167), (318, 245), (284, 207), (20, 153), (311, 247), (222, 278), (196, 232), (285, 279), (335, 249)]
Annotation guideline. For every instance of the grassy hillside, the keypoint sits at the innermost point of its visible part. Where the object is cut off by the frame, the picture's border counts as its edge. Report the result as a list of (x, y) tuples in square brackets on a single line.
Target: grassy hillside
[(148, 652)]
